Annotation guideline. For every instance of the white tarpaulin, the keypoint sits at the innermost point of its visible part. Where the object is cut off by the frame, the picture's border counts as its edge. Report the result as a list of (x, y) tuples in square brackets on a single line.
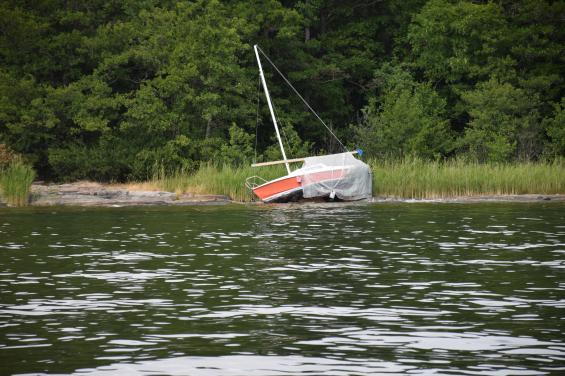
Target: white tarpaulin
[(341, 175)]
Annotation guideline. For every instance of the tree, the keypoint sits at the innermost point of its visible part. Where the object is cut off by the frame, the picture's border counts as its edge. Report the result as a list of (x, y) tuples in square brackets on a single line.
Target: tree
[(555, 128), (408, 118), (179, 81), (239, 150), (108, 90), (505, 123), (460, 42)]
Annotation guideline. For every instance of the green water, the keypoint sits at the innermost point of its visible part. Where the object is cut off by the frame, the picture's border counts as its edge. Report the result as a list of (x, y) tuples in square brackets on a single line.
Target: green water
[(468, 289)]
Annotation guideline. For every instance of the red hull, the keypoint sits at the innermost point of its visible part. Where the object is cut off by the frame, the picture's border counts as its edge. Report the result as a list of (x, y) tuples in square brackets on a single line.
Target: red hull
[(276, 187), (279, 187)]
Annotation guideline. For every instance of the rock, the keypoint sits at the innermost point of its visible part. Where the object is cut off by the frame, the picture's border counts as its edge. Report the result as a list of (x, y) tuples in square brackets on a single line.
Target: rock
[(95, 194)]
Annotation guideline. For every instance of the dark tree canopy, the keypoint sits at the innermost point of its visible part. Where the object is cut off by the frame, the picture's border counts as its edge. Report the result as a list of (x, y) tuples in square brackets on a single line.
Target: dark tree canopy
[(111, 90)]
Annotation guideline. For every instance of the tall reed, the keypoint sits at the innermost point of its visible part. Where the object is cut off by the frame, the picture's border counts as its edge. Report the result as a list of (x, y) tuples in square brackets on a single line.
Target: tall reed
[(15, 182), (409, 178), (414, 178), (216, 179)]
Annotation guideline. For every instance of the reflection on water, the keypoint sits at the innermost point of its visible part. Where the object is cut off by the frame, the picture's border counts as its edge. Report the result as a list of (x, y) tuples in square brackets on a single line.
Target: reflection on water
[(276, 290)]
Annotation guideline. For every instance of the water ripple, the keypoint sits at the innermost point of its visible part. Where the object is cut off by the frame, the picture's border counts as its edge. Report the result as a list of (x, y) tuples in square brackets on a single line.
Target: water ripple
[(275, 290)]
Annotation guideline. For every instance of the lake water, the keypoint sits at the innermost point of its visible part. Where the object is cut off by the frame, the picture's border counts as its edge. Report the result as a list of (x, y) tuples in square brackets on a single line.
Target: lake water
[(420, 289)]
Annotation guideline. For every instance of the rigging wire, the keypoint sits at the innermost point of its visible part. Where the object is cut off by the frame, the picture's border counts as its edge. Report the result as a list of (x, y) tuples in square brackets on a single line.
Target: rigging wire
[(300, 96)]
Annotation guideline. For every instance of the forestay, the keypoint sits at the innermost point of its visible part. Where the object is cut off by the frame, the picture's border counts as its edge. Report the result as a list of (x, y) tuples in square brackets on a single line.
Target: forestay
[(343, 175)]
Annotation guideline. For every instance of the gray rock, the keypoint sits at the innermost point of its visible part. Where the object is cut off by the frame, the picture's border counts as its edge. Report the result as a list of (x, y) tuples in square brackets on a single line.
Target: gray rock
[(94, 194)]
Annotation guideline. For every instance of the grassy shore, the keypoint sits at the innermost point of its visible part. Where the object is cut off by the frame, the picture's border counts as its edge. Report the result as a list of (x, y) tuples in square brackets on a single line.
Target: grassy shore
[(428, 180), (408, 179), (216, 180), (403, 179), (15, 183)]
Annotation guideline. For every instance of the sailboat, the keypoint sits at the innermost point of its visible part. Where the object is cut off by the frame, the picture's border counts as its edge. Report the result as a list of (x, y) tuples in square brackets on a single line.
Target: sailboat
[(334, 176)]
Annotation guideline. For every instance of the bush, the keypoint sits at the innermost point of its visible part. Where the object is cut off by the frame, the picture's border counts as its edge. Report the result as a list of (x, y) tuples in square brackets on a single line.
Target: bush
[(409, 119), (110, 160)]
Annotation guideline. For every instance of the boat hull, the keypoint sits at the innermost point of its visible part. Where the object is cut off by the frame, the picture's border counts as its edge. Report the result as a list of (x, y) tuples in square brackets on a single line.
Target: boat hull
[(290, 188), (275, 188)]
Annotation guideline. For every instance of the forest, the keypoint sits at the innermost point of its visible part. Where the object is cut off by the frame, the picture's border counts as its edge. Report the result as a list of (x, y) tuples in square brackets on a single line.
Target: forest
[(110, 90)]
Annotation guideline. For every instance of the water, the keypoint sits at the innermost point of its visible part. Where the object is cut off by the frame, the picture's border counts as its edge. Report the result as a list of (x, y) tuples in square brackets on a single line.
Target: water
[(276, 290)]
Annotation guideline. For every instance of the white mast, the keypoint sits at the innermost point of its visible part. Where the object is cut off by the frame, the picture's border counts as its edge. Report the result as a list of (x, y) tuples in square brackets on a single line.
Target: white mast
[(255, 47)]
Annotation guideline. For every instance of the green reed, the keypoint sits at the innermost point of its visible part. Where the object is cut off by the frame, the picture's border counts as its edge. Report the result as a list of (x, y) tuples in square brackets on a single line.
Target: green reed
[(15, 183), (409, 178), (216, 180), (414, 178)]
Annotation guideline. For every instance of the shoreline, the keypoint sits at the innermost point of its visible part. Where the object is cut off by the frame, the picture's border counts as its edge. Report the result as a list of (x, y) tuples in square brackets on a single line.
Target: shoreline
[(87, 194), (97, 194), (524, 198)]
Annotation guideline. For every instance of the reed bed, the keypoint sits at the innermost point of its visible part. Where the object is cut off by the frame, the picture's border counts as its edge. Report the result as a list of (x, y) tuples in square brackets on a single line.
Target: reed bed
[(414, 178), (15, 183), (217, 180), (410, 179)]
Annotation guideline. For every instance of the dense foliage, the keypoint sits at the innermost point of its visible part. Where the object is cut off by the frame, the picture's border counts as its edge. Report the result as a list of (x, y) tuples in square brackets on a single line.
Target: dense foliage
[(111, 90)]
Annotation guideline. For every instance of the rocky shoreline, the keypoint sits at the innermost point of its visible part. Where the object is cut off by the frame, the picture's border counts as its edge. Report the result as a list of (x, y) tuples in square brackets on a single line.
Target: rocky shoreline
[(96, 194), (478, 199)]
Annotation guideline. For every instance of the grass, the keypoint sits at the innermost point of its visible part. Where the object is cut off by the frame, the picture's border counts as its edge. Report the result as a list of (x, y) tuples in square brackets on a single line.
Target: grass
[(15, 183), (413, 178), (217, 180), (410, 178)]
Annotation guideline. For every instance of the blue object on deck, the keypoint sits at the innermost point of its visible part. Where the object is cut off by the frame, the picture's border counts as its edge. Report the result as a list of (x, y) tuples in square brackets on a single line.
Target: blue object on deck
[(360, 152)]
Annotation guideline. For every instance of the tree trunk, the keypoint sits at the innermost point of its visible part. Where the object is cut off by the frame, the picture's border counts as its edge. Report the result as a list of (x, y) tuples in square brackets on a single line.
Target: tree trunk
[(208, 129)]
